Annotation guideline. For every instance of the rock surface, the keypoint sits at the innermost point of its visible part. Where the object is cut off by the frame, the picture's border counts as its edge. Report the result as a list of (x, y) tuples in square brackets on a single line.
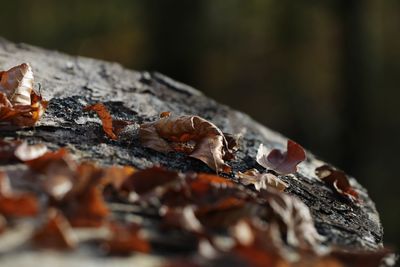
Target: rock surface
[(70, 83)]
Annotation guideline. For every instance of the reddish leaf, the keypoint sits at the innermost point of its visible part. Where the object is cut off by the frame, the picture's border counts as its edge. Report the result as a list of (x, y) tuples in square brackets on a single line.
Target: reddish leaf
[(224, 212), (116, 176), (337, 180), (89, 210), (41, 163), (125, 240), (207, 189), (16, 204), (111, 127), (56, 233), (19, 205), (213, 180), (105, 117), (282, 162), (210, 144), (256, 257), (147, 180)]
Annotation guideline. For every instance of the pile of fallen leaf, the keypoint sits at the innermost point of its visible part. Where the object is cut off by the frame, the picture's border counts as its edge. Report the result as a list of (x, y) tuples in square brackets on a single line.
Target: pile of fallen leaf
[(199, 219)]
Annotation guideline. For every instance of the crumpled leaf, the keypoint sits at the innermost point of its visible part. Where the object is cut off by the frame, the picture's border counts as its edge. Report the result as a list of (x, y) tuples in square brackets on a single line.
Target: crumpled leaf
[(19, 104), (58, 169), (16, 204), (261, 180), (224, 212), (337, 180), (279, 161), (111, 127), (55, 233), (88, 210), (192, 135), (19, 205), (293, 218), (125, 240), (144, 181)]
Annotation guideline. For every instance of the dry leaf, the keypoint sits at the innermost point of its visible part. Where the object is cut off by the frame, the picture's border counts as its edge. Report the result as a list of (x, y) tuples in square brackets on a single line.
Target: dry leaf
[(200, 138), (89, 210), (14, 204), (145, 181), (337, 180), (17, 84), (224, 212), (281, 162), (59, 170), (111, 127), (293, 218), (56, 233), (125, 240), (19, 103), (261, 180)]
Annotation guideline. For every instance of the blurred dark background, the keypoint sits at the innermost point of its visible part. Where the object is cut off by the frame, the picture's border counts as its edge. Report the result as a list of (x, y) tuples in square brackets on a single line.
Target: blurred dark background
[(324, 73)]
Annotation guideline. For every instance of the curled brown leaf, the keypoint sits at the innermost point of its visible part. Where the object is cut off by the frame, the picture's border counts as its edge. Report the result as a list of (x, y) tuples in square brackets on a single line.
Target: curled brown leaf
[(210, 144), (88, 210), (16, 204), (144, 181), (19, 103), (282, 162), (337, 180)]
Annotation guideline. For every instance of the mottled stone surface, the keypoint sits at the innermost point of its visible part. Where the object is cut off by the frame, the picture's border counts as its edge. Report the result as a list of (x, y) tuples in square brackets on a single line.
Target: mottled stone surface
[(70, 83)]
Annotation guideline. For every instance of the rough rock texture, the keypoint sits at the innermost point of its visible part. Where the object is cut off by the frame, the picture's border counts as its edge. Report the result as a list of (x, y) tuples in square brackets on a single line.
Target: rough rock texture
[(70, 83)]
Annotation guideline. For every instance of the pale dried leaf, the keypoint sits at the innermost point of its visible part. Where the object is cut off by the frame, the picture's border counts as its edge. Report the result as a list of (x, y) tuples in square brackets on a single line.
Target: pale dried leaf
[(261, 180), (293, 218), (17, 84), (19, 104)]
